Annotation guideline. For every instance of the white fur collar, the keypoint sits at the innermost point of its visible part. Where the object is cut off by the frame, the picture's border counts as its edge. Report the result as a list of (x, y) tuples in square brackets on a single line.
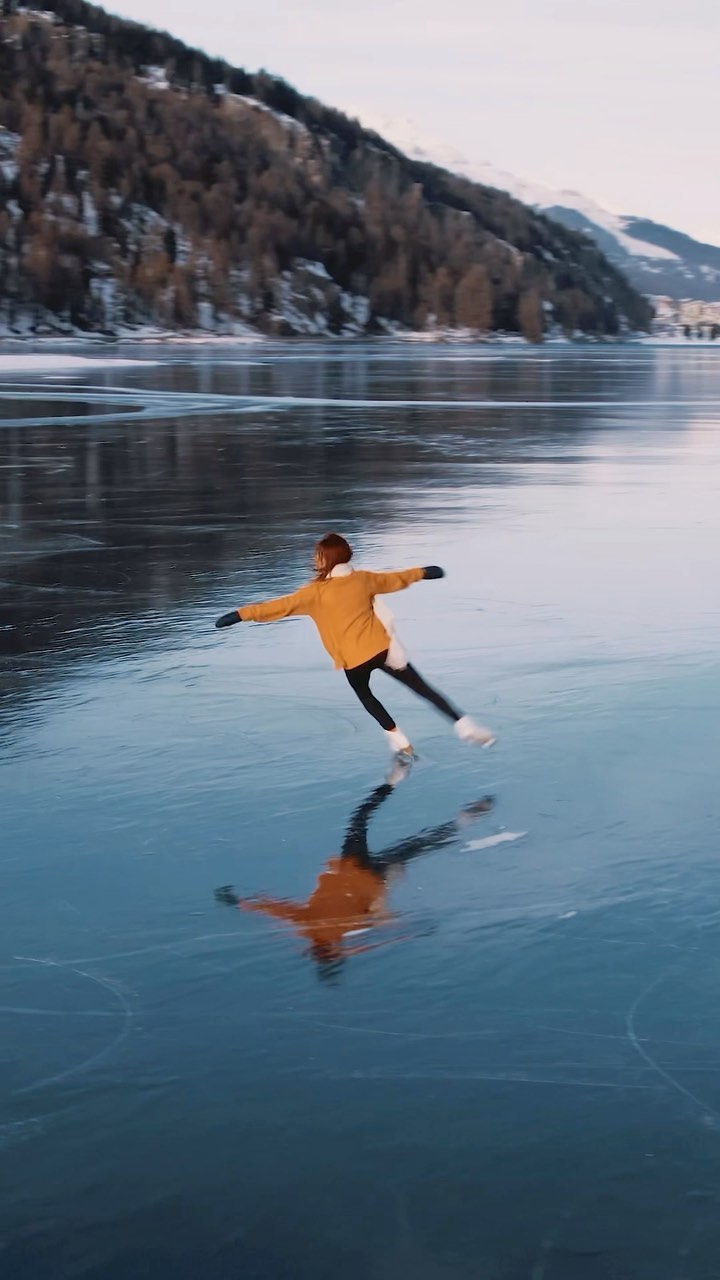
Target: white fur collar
[(341, 571)]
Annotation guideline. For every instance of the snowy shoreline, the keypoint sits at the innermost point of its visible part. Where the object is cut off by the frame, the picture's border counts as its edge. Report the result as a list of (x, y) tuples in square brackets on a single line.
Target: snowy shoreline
[(195, 337), (59, 353)]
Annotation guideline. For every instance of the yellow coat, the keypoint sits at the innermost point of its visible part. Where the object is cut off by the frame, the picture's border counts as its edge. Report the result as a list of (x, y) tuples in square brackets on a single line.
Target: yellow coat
[(342, 610)]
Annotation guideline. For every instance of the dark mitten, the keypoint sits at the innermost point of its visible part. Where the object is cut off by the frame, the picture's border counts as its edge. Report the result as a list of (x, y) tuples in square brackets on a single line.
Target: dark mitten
[(433, 571), (228, 619), (227, 896)]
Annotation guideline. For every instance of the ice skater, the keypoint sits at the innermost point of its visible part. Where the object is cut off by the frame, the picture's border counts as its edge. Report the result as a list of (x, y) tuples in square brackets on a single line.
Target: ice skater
[(359, 634), (350, 897)]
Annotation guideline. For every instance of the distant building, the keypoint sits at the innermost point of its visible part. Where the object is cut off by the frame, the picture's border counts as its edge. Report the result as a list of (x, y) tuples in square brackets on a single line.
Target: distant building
[(687, 317)]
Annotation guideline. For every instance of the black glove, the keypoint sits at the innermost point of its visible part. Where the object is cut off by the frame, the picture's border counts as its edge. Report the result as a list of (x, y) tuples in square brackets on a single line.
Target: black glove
[(228, 619), (227, 896), (433, 571)]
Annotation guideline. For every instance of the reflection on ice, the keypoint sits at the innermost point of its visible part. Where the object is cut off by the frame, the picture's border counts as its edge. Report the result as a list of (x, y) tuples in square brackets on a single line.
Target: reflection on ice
[(351, 895)]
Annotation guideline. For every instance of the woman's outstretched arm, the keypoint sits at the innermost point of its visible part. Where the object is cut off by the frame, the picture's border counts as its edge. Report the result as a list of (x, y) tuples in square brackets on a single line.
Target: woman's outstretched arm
[(383, 583), (278, 907), (269, 610)]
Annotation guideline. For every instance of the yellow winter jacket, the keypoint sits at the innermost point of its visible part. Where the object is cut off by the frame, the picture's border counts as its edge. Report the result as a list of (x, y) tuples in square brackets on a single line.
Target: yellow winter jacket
[(342, 610)]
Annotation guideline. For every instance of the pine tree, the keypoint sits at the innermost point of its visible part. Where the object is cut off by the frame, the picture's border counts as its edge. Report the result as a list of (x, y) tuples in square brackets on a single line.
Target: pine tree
[(474, 300), (530, 316), (442, 297)]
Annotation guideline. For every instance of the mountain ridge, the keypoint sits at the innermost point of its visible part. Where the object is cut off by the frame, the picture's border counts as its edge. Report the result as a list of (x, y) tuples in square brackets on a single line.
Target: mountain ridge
[(656, 258), (143, 182)]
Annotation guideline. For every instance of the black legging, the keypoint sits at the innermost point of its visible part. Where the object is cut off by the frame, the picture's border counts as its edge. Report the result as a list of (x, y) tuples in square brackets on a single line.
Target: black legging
[(359, 681), (355, 844)]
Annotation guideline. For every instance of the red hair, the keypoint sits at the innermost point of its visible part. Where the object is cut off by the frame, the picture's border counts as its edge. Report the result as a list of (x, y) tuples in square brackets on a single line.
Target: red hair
[(329, 552)]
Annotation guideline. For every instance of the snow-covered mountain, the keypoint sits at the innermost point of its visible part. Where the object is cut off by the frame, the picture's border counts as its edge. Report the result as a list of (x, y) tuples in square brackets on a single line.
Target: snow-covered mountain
[(657, 259)]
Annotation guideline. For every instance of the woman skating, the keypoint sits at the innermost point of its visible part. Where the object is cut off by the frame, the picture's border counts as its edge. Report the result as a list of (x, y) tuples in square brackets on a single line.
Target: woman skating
[(358, 633)]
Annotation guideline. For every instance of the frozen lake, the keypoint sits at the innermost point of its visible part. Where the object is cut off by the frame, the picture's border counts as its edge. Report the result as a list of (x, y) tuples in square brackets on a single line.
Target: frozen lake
[(515, 1075)]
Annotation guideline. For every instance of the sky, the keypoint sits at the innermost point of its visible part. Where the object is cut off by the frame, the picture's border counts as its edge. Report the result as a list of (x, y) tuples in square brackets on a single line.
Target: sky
[(615, 98)]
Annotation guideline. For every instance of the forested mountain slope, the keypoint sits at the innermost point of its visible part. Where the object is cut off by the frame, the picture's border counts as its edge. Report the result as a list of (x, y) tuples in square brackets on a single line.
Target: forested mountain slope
[(142, 182)]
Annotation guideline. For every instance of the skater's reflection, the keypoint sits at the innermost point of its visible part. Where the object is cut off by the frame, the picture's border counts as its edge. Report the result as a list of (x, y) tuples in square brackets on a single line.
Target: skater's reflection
[(350, 897)]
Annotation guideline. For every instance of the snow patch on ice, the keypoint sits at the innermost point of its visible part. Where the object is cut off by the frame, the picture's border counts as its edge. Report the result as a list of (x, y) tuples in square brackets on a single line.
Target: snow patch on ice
[(488, 842), (38, 362)]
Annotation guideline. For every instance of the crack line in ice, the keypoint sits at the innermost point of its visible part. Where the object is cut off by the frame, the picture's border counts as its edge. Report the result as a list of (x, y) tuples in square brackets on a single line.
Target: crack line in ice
[(145, 405), (503, 1077), (630, 1017), (330, 402), (12, 1131), (378, 1031), (606, 1035), (127, 1017), (175, 948), (153, 404), (59, 1013)]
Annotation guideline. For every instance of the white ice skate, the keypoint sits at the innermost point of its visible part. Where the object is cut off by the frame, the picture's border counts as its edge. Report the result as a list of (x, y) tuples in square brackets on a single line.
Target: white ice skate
[(468, 731), (398, 743)]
